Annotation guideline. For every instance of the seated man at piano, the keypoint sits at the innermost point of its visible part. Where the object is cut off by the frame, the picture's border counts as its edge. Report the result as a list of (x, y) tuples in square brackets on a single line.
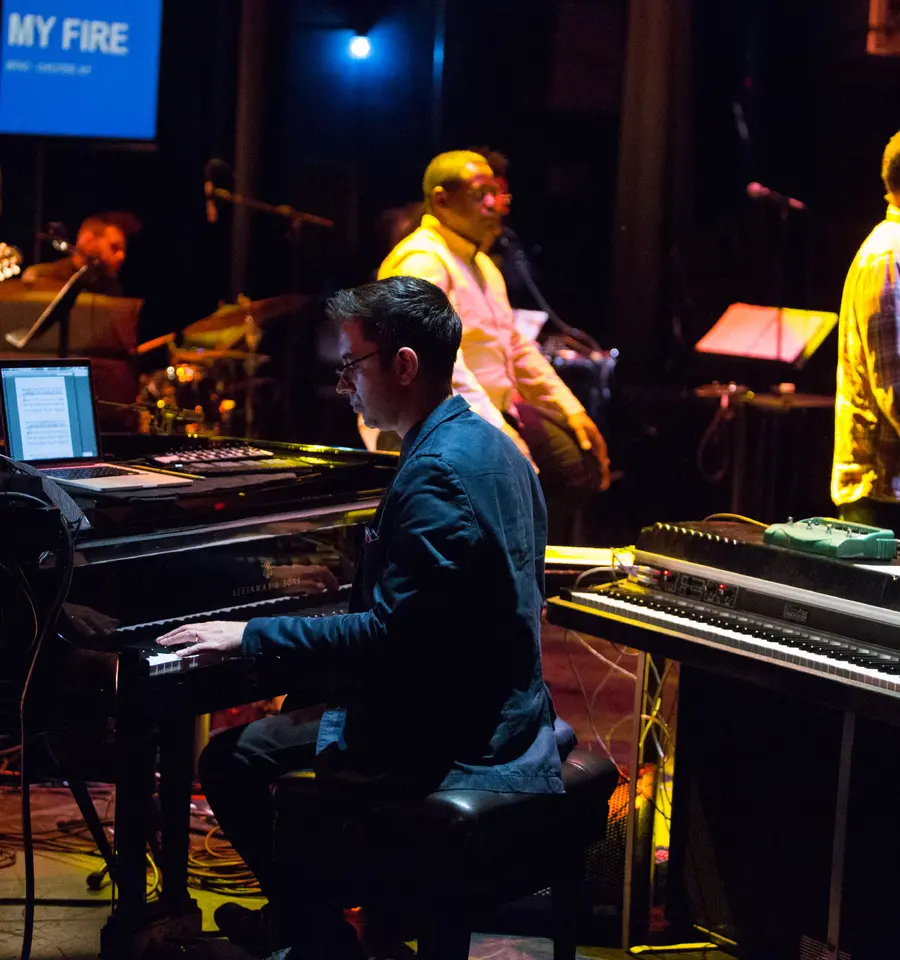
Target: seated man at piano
[(437, 680), (102, 240)]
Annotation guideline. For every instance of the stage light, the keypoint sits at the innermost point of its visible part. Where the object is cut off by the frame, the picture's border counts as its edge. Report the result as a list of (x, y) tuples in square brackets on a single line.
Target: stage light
[(360, 48)]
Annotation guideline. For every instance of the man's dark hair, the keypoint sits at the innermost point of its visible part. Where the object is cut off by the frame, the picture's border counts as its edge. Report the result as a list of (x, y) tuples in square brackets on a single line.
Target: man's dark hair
[(403, 312), (97, 223), (890, 166)]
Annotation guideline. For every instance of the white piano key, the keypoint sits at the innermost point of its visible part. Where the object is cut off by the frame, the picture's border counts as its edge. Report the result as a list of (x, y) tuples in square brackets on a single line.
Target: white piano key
[(162, 663), (690, 620), (217, 614)]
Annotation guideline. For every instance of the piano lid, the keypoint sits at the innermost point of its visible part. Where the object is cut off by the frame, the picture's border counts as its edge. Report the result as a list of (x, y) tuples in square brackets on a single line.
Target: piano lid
[(336, 476)]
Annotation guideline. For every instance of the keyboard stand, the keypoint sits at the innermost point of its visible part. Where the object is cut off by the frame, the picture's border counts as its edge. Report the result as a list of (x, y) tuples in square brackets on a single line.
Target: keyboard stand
[(837, 729)]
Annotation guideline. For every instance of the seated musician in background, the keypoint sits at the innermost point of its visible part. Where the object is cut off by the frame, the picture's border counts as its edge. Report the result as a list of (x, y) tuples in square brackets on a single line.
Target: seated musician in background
[(439, 683), (504, 377), (865, 480), (500, 236), (102, 240), (502, 244)]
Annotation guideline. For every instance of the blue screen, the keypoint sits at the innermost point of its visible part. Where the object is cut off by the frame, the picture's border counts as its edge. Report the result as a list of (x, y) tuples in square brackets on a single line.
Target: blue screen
[(81, 68), (49, 412)]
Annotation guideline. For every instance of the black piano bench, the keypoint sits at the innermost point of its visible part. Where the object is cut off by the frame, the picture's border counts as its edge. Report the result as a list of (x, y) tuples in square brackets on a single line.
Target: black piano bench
[(425, 867)]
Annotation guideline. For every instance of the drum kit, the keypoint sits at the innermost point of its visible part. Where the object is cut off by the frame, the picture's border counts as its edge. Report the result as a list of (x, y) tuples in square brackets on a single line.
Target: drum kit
[(211, 380)]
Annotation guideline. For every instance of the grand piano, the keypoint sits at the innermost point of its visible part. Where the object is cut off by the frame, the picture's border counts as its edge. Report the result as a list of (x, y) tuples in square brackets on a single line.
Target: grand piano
[(257, 539)]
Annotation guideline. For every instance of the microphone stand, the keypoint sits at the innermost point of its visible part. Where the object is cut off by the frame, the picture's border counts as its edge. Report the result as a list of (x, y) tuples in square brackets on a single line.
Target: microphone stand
[(57, 311), (297, 217), (781, 278), (252, 335)]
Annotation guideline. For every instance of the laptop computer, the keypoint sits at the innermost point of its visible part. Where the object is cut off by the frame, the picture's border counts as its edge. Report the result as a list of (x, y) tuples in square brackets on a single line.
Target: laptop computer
[(49, 420)]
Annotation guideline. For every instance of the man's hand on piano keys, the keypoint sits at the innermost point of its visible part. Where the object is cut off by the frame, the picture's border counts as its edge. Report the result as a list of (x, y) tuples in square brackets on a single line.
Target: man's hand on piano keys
[(223, 636)]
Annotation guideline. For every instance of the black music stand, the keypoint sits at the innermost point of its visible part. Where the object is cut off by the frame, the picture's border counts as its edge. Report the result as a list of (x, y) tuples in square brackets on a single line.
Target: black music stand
[(57, 311)]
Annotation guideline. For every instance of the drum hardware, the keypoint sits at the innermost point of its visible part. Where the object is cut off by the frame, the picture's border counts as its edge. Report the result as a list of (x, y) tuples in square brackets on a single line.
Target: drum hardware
[(159, 418), (228, 326), (149, 345), (183, 393), (252, 337), (200, 355)]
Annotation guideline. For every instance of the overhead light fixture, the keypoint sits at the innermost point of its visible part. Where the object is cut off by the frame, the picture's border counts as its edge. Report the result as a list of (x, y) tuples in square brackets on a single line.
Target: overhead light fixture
[(360, 47)]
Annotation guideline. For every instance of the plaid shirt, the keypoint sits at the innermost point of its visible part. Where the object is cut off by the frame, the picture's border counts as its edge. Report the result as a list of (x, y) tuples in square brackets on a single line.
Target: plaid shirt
[(867, 405)]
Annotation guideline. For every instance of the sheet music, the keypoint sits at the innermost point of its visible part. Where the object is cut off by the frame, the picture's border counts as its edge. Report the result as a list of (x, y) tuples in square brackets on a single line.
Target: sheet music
[(44, 421)]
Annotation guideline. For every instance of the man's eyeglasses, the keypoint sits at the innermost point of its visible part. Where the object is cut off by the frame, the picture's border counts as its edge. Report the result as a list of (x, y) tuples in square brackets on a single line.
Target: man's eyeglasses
[(487, 190), (344, 367)]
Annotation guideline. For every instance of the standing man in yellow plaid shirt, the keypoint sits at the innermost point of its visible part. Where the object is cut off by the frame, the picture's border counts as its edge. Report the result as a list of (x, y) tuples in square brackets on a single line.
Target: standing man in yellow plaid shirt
[(865, 480)]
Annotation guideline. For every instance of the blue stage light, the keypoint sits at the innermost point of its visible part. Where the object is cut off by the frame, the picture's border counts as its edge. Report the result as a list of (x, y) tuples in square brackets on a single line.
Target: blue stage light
[(360, 48)]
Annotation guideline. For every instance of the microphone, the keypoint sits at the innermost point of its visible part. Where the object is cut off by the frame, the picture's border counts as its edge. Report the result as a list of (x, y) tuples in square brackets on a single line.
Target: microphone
[(214, 170), (212, 211), (58, 237), (756, 191)]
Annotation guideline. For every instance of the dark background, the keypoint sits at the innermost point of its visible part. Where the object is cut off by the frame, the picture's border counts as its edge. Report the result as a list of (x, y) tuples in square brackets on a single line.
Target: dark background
[(628, 169)]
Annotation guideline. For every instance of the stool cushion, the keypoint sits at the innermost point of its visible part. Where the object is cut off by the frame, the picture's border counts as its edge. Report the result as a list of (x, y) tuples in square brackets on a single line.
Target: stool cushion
[(474, 845)]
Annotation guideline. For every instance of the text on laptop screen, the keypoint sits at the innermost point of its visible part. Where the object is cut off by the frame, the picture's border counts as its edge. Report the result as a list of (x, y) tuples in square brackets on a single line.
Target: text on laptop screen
[(49, 412)]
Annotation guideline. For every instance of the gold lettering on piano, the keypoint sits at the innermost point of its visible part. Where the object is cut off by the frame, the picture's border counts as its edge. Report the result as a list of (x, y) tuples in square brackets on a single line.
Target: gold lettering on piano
[(270, 586), (795, 614)]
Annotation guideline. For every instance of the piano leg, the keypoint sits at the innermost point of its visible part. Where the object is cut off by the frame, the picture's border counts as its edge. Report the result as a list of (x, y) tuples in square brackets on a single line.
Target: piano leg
[(136, 926), (135, 749), (135, 756), (839, 844), (629, 934), (176, 771)]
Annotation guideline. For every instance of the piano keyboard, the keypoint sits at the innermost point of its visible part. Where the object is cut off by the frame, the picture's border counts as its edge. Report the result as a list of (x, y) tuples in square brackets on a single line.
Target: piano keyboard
[(157, 660), (793, 647)]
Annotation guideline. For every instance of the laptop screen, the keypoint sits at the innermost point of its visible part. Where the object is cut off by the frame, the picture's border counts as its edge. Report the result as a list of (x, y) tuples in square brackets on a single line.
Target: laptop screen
[(49, 411)]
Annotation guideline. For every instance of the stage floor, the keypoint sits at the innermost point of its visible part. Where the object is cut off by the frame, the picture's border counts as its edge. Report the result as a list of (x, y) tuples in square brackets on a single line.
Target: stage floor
[(595, 698)]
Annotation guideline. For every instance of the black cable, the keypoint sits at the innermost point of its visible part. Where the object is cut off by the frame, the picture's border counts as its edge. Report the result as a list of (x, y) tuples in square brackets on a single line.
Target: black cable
[(589, 708), (523, 268), (35, 649), (28, 930)]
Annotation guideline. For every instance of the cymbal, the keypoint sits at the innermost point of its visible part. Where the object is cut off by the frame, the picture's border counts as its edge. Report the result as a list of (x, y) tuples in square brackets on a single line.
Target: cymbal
[(788, 401), (233, 314), (201, 355)]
